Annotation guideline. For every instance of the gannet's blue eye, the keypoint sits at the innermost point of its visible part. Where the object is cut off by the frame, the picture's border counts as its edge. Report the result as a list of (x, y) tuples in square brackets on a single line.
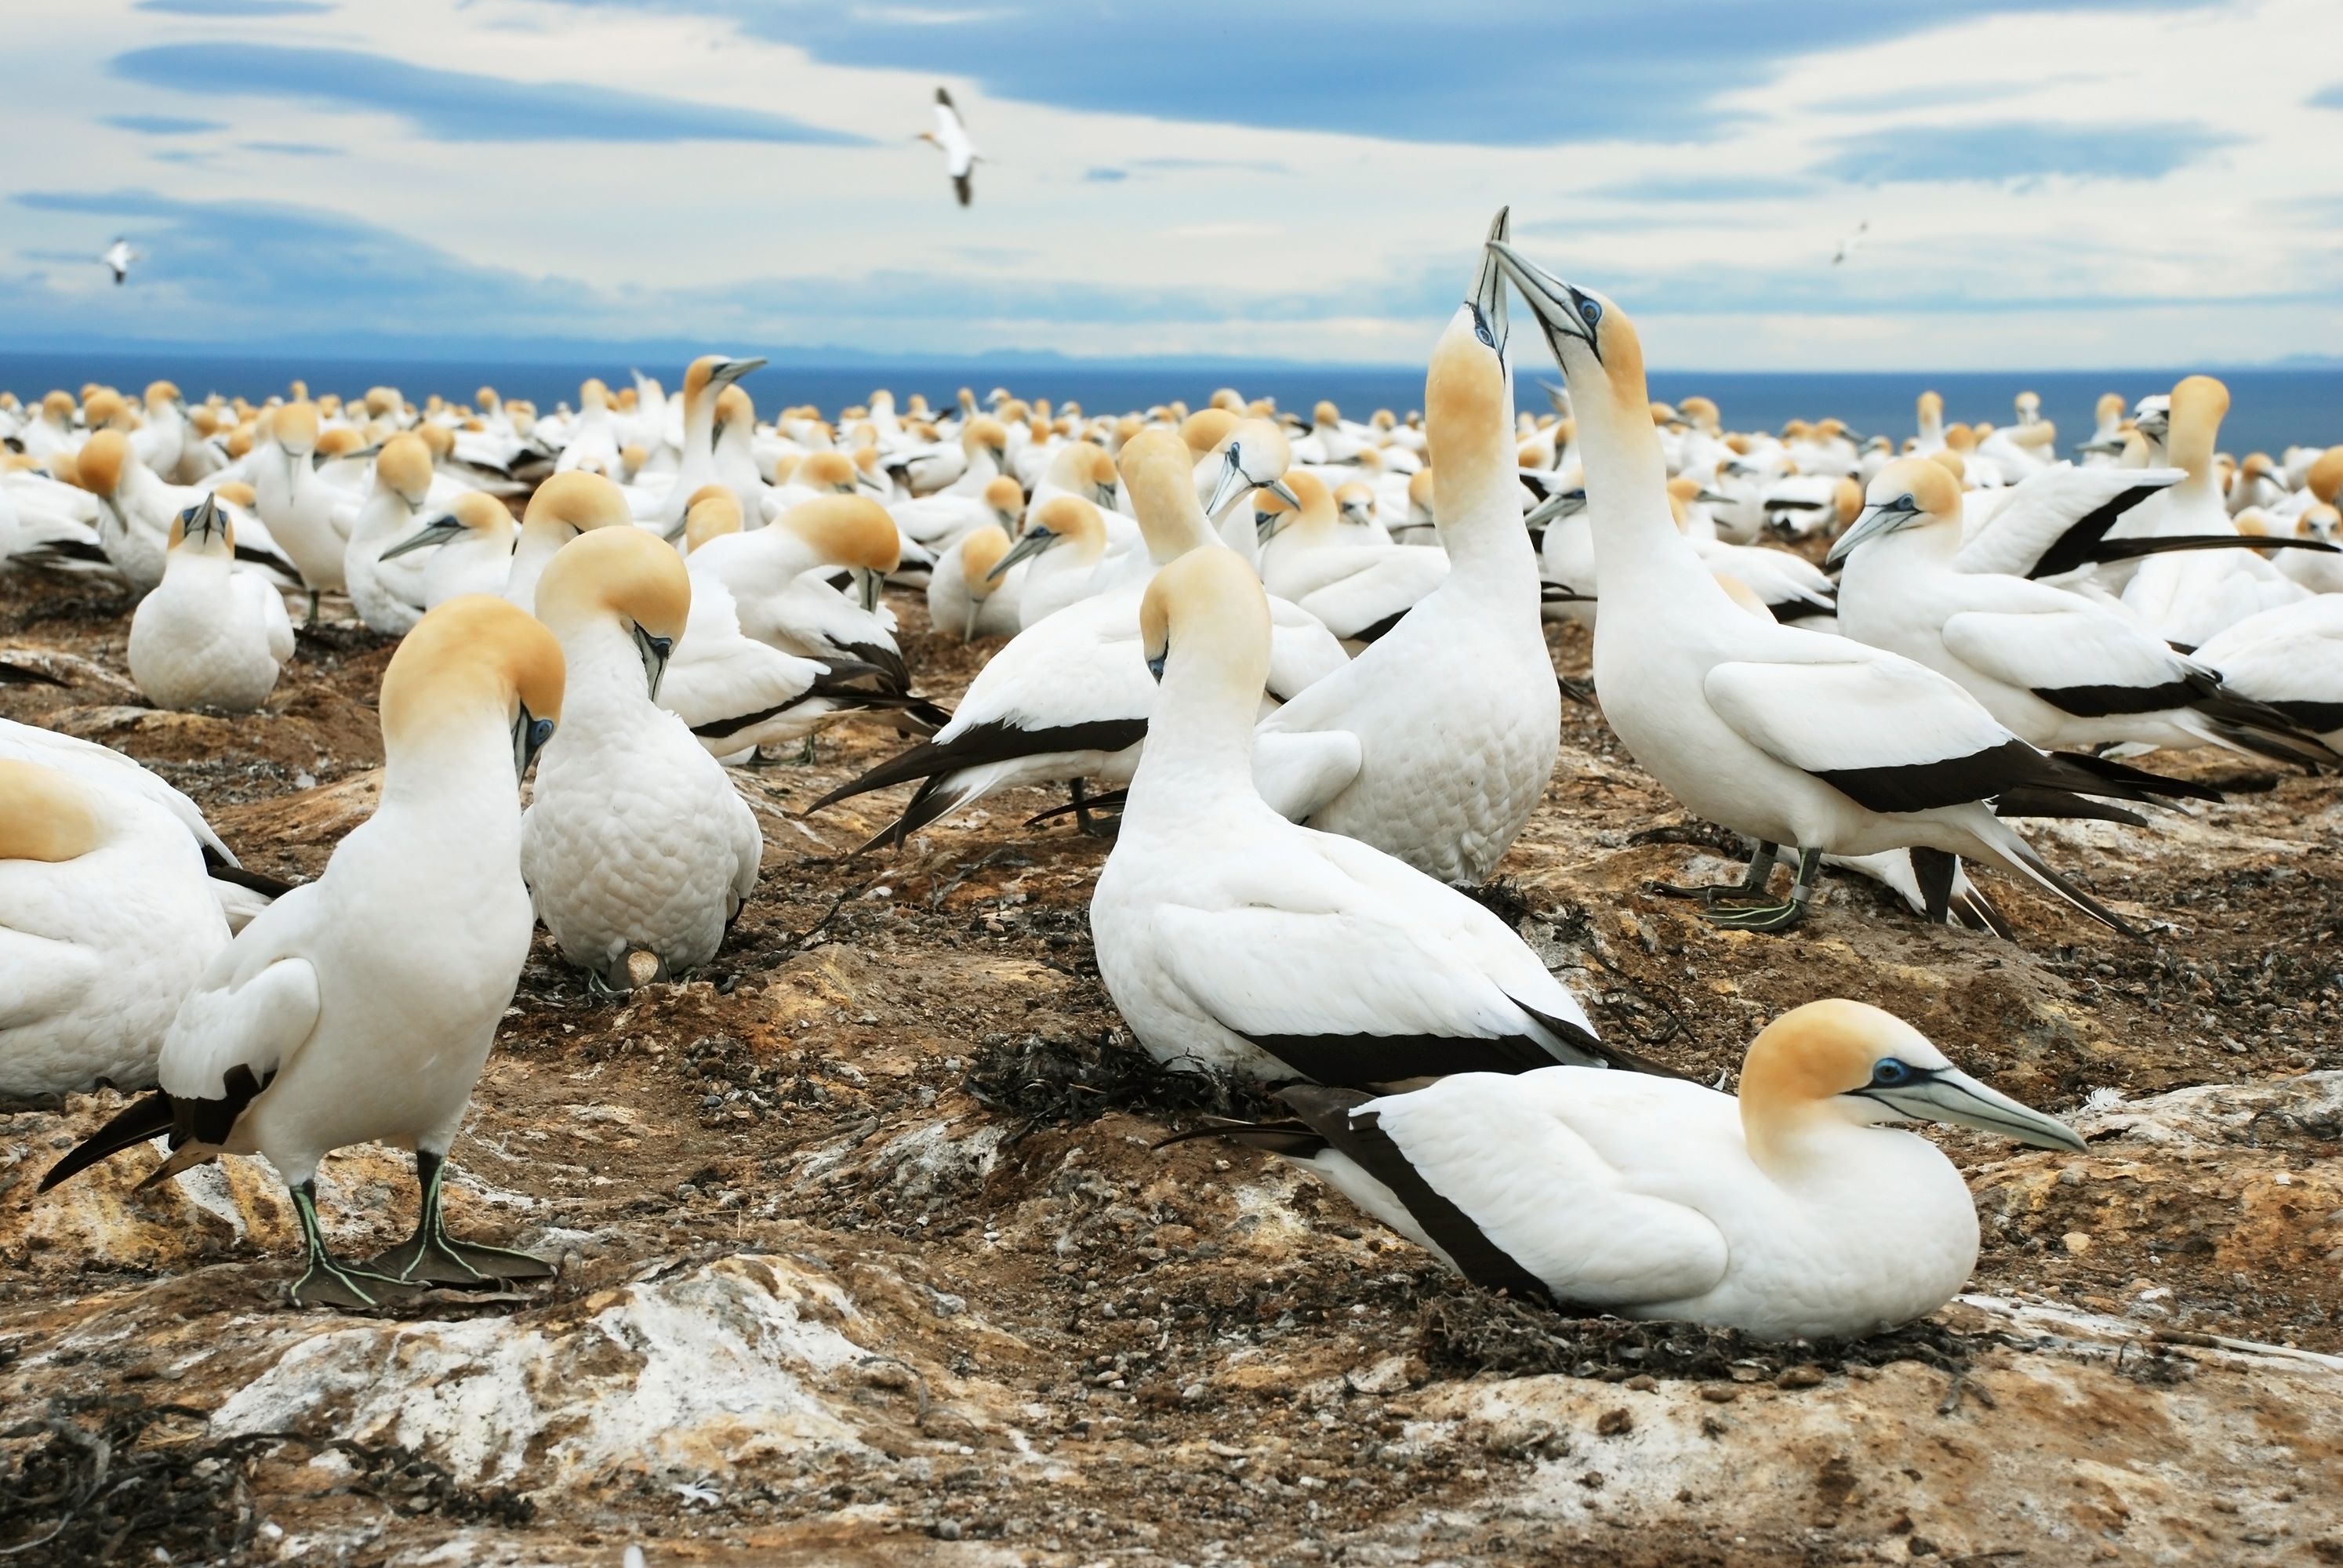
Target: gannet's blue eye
[(1589, 312), (540, 732), (1888, 1072), (1905, 503)]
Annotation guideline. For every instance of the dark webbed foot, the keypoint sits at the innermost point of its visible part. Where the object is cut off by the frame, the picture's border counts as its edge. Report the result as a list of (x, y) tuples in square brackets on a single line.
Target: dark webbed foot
[(432, 1257)]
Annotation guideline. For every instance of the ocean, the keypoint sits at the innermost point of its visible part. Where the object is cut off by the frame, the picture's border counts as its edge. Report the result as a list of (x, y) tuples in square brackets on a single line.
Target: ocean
[(2271, 408)]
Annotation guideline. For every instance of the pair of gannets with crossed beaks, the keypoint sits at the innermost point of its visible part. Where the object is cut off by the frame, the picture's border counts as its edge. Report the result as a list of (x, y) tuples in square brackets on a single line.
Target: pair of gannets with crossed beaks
[(636, 847), (210, 635), (1793, 1211), (360, 1008), (1231, 939), (1784, 736)]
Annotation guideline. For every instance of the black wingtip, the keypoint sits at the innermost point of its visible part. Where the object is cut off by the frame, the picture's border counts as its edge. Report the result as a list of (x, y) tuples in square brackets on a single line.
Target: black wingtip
[(135, 1124)]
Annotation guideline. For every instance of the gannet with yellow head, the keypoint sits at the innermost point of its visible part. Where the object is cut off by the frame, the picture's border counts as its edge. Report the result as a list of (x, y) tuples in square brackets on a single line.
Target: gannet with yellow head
[(1359, 590), (1065, 542), (360, 1008), (107, 918), (1785, 736), (310, 518), (388, 591), (564, 506), (1795, 1211), (471, 545), (637, 849), (704, 384), (209, 636)]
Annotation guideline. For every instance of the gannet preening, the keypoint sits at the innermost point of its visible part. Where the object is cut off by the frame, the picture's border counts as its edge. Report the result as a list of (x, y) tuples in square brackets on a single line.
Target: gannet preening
[(209, 636), (118, 259), (1068, 698), (637, 849), (1234, 940), (303, 511), (106, 917), (969, 593), (950, 138), (564, 506), (240, 894), (388, 591), (1064, 542), (2065, 671), (360, 1007), (1792, 1212), (1454, 712), (773, 577), (471, 546), (1787, 737)]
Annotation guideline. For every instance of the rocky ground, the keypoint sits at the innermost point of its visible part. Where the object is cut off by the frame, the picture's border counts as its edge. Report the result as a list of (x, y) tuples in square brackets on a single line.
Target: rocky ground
[(868, 1255)]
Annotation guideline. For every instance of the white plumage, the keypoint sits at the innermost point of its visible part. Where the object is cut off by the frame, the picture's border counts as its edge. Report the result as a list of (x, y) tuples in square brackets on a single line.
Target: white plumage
[(210, 635)]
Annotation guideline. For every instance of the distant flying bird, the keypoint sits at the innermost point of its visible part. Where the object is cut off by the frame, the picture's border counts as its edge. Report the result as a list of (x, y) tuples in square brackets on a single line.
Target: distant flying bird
[(1846, 247), (120, 256), (959, 153)]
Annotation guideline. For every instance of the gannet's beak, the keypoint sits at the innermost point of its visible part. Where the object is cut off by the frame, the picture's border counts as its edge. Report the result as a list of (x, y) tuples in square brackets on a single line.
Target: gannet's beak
[(731, 370), (530, 735), (1488, 301), (1035, 541), (869, 482), (1876, 521), (656, 651), (1358, 513), (867, 582), (437, 531), (1710, 497), (1948, 1094), (1561, 311), (1564, 504), (1265, 525), (1232, 480), (1106, 496), (203, 519), (2155, 426)]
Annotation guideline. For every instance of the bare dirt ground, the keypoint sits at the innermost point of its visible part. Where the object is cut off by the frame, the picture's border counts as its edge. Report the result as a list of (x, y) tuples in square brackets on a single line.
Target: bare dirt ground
[(868, 1256)]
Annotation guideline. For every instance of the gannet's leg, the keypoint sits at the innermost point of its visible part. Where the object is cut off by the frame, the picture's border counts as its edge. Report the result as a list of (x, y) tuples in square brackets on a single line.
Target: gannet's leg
[(1772, 917), (326, 1283), (1760, 870), (433, 1257)]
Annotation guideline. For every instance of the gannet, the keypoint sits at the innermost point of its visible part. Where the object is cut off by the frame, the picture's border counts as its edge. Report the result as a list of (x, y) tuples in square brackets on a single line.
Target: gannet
[(1790, 1212), (360, 1007), (1848, 247), (2061, 670), (1068, 698), (593, 438), (2187, 597), (703, 384), (962, 466), (298, 505), (2291, 658), (2320, 573), (209, 636), (1359, 590), (2105, 443), (950, 138), (969, 595), (1784, 736), (935, 522), (638, 851), (118, 259), (564, 506), (471, 546), (773, 577), (106, 917), (1253, 455), (1231, 939), (137, 510), (388, 593)]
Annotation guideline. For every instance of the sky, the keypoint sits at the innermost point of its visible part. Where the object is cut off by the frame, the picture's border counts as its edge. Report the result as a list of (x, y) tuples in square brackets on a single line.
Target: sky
[(2080, 184)]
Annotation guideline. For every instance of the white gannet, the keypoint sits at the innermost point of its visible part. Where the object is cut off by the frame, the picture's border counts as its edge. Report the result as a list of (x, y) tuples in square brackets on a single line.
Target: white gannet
[(1784, 736), (775, 575), (1790, 1212), (388, 593), (361, 1007), (2064, 671), (934, 522), (2188, 596), (1231, 939), (471, 546), (137, 510), (970, 594), (209, 636), (1061, 552), (301, 508), (2105, 443), (564, 506), (118, 259), (734, 692), (1455, 710), (637, 849), (1068, 698), (950, 138), (106, 917), (2320, 573), (2290, 657), (593, 440), (1359, 590), (240, 894), (704, 384)]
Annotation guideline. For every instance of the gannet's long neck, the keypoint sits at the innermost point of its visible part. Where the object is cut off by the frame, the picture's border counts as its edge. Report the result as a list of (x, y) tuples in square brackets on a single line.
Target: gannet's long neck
[(2189, 445), (1476, 504), (699, 423), (454, 784), (1172, 531), (605, 684), (539, 541), (1200, 735), (1635, 537)]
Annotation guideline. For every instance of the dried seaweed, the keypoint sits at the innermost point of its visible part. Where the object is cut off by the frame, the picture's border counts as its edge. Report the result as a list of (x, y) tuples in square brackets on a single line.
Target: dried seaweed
[(1066, 1081)]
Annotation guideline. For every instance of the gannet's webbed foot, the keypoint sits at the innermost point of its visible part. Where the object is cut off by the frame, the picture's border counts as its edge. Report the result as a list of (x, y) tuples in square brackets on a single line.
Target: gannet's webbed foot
[(432, 1257), (1769, 918), (1751, 885), (328, 1284)]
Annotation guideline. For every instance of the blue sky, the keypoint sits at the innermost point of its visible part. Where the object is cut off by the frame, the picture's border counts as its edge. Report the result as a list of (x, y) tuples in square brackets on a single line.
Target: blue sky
[(2080, 184)]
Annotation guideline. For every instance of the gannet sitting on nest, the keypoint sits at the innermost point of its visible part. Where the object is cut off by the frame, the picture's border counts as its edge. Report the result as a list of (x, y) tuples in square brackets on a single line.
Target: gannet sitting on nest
[(637, 849), (209, 636), (360, 1007), (1786, 737), (106, 917), (1790, 1212), (1233, 940)]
